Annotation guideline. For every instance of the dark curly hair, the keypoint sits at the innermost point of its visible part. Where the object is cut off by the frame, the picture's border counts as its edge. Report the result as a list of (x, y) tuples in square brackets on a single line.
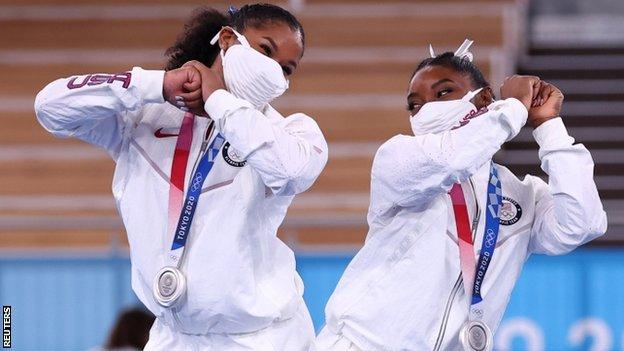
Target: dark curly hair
[(205, 23), (459, 64)]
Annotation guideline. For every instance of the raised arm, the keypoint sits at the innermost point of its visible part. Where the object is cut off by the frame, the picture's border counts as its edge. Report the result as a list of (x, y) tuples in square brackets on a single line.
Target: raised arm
[(409, 171), (289, 154), (90, 107), (568, 211), (93, 107)]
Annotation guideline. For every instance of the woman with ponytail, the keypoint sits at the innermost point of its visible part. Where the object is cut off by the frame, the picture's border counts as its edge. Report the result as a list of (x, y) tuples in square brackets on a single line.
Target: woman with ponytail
[(205, 172)]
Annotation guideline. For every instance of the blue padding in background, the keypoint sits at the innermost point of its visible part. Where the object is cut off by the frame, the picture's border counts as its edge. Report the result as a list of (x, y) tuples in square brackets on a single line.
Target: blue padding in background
[(573, 302)]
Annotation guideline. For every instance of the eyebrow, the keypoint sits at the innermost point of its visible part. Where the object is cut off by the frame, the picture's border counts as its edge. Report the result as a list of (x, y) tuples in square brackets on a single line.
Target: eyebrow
[(441, 81), (433, 86), (272, 42), (412, 94)]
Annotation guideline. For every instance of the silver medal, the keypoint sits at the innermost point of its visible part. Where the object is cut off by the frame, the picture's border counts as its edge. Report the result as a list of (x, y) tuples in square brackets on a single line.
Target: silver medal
[(169, 286), (476, 336)]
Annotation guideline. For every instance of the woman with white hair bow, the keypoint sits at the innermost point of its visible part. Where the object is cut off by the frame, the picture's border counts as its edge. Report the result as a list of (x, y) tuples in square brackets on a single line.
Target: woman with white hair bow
[(442, 214)]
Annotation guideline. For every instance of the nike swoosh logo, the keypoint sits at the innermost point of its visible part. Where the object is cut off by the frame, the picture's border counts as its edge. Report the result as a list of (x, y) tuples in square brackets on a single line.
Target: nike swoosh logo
[(159, 134)]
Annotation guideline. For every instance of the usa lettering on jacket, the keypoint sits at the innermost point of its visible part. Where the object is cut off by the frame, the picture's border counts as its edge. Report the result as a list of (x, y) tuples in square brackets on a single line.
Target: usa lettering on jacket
[(97, 79)]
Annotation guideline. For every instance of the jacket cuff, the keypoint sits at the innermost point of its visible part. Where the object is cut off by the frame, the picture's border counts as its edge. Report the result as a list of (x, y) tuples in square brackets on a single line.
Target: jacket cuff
[(150, 84), (552, 135), (518, 107), (517, 115), (221, 102)]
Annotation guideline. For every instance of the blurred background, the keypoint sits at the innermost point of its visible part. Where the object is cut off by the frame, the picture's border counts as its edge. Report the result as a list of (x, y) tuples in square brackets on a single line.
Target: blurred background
[(64, 265)]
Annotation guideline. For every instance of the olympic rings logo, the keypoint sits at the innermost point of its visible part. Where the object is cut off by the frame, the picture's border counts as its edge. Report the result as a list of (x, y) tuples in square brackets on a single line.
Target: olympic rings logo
[(197, 182), (489, 238)]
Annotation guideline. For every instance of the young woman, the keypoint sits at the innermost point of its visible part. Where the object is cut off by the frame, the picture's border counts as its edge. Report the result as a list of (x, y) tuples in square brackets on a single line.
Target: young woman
[(202, 198), (442, 215)]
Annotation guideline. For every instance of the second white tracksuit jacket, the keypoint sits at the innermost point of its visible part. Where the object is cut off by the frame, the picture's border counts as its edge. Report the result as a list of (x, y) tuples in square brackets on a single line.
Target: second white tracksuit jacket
[(403, 290)]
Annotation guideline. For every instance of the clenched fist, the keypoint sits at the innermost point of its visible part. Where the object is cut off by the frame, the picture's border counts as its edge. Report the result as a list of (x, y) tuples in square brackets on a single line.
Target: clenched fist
[(211, 81), (523, 88), (182, 87), (546, 104)]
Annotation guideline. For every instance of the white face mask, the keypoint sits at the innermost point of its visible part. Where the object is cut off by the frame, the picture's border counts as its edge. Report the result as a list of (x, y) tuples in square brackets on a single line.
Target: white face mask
[(439, 116), (250, 75)]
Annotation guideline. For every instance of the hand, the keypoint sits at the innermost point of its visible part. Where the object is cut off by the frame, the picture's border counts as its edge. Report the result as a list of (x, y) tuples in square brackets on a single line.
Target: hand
[(182, 88), (211, 81), (546, 105), (523, 88)]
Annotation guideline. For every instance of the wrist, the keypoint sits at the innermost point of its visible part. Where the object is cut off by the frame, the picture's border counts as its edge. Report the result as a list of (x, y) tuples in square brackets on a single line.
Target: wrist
[(207, 92), (524, 100), (164, 86), (536, 122)]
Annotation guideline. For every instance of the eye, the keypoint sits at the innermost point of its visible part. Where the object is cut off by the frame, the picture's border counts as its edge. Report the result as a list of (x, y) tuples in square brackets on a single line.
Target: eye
[(267, 49), (443, 92), (287, 70), (413, 107)]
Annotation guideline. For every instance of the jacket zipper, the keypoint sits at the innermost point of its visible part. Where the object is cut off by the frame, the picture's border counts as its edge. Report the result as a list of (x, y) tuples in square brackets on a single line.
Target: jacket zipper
[(447, 310), (459, 281), (207, 135)]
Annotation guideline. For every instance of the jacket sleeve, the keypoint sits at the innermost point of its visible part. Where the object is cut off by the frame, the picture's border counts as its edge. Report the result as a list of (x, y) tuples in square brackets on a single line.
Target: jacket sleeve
[(568, 211), (288, 155), (92, 107), (409, 171)]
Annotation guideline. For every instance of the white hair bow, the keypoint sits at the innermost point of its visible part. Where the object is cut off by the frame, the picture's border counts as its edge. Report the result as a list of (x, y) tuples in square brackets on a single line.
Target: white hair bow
[(461, 52)]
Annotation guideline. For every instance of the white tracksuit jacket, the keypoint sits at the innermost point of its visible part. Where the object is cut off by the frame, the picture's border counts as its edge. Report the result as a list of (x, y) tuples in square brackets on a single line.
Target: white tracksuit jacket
[(403, 290), (241, 277)]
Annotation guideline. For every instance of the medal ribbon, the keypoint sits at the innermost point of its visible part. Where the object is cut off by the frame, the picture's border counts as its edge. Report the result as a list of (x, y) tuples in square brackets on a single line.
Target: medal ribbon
[(181, 213), (464, 234), (474, 273), (178, 170)]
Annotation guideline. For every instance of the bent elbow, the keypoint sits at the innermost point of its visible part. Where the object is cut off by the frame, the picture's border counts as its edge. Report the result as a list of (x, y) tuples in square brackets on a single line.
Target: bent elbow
[(288, 186), (297, 177), (585, 231), (292, 182), (40, 107), (594, 226), (597, 226), (44, 113)]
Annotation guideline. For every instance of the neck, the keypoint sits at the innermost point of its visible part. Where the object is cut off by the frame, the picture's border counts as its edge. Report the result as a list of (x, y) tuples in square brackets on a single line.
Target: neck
[(217, 67)]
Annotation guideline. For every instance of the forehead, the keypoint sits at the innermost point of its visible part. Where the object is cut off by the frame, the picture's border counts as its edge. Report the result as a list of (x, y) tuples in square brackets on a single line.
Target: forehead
[(287, 39), (429, 75)]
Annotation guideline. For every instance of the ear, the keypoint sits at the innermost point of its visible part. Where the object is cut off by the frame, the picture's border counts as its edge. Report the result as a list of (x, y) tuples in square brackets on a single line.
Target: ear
[(484, 98), (227, 38)]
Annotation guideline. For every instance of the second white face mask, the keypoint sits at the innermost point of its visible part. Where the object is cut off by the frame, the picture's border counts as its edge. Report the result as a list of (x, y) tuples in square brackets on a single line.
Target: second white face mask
[(250, 75), (440, 116)]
